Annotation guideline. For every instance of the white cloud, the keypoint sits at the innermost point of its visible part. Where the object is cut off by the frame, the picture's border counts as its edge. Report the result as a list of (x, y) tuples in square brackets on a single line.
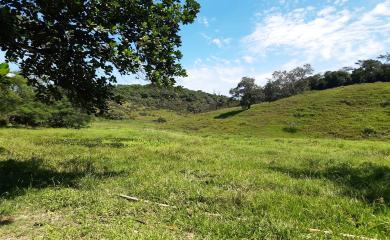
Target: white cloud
[(217, 41), (221, 42), (248, 59), (217, 75), (340, 2), (341, 36), (204, 21)]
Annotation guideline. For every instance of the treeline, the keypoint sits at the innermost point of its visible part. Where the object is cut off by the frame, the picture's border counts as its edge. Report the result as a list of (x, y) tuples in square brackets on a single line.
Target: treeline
[(178, 99), (288, 83), (19, 105)]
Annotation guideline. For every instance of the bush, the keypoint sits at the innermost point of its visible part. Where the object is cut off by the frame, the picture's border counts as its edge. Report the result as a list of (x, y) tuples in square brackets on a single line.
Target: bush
[(385, 103), (63, 114), (161, 120), (118, 111), (291, 128), (19, 106), (31, 114), (368, 132)]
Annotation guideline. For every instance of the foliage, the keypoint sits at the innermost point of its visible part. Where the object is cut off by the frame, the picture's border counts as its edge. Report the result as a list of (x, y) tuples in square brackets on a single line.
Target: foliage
[(247, 92), (18, 105), (371, 71), (288, 83), (161, 120), (177, 99), (291, 128), (72, 47), (368, 132), (63, 114)]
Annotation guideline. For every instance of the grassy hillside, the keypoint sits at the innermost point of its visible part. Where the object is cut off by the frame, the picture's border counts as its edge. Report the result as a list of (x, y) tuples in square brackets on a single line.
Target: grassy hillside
[(64, 184), (348, 112), (247, 175)]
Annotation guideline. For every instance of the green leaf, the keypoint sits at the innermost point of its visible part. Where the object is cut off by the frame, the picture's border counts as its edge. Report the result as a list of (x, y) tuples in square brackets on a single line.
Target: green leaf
[(4, 69)]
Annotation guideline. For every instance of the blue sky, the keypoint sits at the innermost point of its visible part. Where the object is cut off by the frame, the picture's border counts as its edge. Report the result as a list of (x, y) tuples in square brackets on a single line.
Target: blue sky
[(232, 38), (236, 38)]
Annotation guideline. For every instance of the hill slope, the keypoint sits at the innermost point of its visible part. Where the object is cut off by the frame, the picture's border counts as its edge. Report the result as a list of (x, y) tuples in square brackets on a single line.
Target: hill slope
[(177, 99), (355, 111)]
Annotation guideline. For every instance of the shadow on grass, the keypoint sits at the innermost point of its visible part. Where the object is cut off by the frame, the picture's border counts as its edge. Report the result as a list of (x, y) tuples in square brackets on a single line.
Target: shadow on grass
[(368, 182), (229, 114), (5, 221), (18, 175)]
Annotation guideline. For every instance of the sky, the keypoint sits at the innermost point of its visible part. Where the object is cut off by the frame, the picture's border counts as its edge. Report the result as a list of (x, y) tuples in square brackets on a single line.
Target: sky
[(232, 39), (235, 38)]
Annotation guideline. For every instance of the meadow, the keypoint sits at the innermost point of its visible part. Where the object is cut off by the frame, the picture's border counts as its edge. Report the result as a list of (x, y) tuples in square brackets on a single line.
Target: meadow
[(220, 179)]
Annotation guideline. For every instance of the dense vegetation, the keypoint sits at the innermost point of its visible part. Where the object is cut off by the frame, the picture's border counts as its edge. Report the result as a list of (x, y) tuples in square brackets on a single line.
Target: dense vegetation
[(72, 47), (20, 107), (247, 92), (177, 99)]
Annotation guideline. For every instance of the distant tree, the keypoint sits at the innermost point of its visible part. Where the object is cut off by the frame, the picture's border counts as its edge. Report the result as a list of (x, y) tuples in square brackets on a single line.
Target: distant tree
[(271, 91), (369, 71), (316, 82), (247, 92), (337, 78), (385, 57), (177, 99), (386, 66), (288, 83), (70, 47)]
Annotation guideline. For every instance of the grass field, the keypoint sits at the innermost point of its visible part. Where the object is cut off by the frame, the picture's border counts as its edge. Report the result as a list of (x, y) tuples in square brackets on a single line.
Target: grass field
[(233, 184), (336, 113)]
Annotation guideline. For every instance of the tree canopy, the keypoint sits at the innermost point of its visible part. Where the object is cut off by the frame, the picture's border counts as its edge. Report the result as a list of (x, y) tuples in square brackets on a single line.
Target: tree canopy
[(19, 106), (72, 47), (247, 92)]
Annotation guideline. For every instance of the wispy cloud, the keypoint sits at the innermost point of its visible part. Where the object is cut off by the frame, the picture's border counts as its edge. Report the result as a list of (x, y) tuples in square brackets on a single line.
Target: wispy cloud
[(221, 42), (204, 21), (340, 35), (217, 41)]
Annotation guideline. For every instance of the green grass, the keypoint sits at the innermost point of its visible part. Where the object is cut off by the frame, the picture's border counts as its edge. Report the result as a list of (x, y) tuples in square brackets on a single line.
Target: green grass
[(341, 112), (264, 184)]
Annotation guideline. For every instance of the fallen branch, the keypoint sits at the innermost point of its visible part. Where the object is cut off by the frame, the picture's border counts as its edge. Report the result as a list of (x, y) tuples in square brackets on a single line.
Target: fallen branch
[(313, 230), (134, 199)]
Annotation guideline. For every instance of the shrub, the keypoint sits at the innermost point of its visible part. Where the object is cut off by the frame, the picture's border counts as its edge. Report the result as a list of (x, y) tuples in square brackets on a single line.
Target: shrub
[(63, 114), (31, 114), (385, 103), (291, 128), (161, 120), (19, 106), (368, 132), (117, 111)]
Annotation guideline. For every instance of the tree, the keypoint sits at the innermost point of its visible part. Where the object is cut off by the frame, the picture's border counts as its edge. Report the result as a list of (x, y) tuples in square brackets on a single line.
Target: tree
[(316, 82), (271, 91), (288, 83), (385, 57), (11, 92), (71, 47), (247, 92), (369, 71), (337, 78)]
